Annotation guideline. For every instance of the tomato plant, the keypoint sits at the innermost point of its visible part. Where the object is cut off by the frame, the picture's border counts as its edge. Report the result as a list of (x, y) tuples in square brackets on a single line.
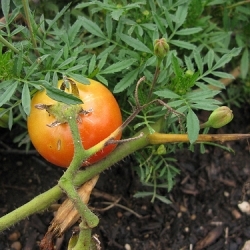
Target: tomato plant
[(55, 144)]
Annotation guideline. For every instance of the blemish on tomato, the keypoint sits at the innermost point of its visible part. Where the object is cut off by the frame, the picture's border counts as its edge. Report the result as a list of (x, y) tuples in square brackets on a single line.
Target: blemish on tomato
[(59, 145)]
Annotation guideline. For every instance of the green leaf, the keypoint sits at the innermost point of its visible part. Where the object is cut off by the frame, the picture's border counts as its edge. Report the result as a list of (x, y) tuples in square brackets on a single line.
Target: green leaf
[(8, 93), (92, 64), (199, 62), (126, 81), (163, 199), (17, 30), (210, 58), (92, 27), (55, 79), (79, 78), (143, 194), (214, 82), (67, 62), (166, 93), (57, 57), (58, 15), (103, 61), (74, 68), (135, 43), (192, 126), (74, 29), (116, 14), (61, 96), (95, 45), (26, 99), (109, 25), (204, 106), (119, 66), (159, 23), (188, 31), (5, 6), (222, 74), (101, 79), (226, 58), (182, 44), (201, 94), (181, 15), (244, 63)]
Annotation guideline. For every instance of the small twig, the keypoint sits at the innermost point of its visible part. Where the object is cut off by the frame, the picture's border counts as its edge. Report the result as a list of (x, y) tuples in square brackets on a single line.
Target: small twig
[(123, 207), (108, 207)]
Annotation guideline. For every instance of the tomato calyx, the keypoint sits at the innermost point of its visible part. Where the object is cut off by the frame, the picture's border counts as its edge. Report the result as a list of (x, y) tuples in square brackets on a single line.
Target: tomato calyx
[(63, 112)]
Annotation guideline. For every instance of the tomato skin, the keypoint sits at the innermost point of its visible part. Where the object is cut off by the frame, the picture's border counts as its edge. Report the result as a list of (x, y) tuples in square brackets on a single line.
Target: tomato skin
[(55, 144)]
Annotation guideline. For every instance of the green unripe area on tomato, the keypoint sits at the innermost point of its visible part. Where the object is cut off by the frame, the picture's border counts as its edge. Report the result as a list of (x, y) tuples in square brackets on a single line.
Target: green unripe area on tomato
[(55, 144)]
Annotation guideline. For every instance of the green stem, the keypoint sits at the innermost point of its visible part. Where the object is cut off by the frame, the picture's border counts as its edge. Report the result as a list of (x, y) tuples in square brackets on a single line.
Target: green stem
[(66, 181), (14, 49), (156, 74), (27, 15), (43, 201), (84, 238)]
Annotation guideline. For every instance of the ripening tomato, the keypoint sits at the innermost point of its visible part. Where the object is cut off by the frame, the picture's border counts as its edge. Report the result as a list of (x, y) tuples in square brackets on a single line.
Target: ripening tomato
[(55, 144)]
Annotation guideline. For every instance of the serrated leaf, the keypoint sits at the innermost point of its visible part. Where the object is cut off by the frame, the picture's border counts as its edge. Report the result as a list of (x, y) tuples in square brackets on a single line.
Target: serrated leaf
[(166, 93), (57, 57), (214, 82), (74, 68), (101, 79), (244, 64), (205, 106), (192, 126), (159, 22), (92, 27), (226, 58), (188, 31), (142, 194), (58, 15), (5, 6), (92, 64), (109, 25), (79, 78), (67, 62), (135, 43), (55, 79), (61, 96), (126, 81), (202, 94), (74, 29), (102, 61), (119, 66), (163, 199), (116, 14), (181, 15), (10, 120), (222, 74), (18, 66), (7, 94), (199, 62), (17, 30), (182, 44), (26, 98), (210, 58)]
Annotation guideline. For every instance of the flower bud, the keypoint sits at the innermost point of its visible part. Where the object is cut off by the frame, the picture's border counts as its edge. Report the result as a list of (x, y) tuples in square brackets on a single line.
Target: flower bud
[(219, 118), (161, 48)]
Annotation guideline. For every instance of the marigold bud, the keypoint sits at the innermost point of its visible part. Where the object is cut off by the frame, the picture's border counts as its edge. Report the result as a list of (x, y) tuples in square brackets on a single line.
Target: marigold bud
[(161, 48), (219, 118)]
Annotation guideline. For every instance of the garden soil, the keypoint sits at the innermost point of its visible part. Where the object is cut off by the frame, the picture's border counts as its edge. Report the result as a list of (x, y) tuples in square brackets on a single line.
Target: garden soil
[(204, 213)]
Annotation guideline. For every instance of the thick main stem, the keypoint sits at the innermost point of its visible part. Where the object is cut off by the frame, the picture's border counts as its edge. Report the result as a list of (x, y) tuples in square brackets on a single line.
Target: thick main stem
[(66, 181)]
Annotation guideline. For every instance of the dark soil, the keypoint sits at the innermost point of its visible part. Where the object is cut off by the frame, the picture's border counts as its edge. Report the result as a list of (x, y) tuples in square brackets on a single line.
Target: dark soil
[(204, 213)]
